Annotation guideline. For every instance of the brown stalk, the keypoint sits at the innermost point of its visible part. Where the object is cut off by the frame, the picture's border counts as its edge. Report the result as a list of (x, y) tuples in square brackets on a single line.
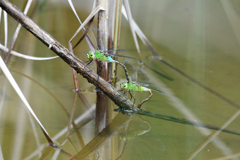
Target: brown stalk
[(80, 95), (85, 31), (102, 111), (76, 82)]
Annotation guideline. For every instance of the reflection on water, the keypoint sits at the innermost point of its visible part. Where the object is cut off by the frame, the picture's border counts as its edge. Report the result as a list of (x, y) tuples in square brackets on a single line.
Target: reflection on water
[(200, 38), (138, 143)]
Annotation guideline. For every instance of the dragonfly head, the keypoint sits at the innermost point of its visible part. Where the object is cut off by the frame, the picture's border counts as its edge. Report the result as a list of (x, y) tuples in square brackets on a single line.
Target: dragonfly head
[(90, 55), (124, 85)]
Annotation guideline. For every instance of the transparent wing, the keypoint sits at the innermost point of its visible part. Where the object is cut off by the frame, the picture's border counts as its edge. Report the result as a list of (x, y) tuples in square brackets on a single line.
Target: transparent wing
[(152, 143), (142, 76), (131, 70), (111, 53), (95, 30), (142, 151), (136, 150), (153, 88)]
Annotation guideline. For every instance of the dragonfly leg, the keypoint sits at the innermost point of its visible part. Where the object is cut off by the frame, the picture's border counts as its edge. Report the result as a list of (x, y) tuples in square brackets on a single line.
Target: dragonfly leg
[(89, 62), (99, 70), (140, 104), (125, 69), (125, 97), (120, 90), (131, 99)]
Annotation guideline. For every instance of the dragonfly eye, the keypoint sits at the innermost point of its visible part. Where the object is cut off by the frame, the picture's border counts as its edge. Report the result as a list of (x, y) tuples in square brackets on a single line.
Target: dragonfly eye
[(90, 55), (124, 85)]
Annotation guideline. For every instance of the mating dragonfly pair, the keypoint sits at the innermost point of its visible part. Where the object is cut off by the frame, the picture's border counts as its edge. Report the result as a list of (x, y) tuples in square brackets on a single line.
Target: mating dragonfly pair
[(137, 79)]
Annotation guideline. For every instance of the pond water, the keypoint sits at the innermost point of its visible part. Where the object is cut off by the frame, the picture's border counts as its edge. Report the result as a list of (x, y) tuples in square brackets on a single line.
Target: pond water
[(199, 38)]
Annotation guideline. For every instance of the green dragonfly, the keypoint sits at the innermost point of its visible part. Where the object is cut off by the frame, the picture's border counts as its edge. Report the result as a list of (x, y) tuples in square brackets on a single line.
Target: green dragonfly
[(139, 82), (102, 56)]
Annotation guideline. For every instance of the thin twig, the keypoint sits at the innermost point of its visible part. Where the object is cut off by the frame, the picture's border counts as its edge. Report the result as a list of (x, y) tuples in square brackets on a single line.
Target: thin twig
[(130, 20), (83, 29), (25, 56), (17, 32), (85, 33)]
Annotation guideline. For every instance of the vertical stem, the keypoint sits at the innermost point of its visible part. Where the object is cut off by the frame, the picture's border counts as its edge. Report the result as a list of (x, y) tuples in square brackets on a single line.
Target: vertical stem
[(114, 23), (102, 112), (107, 38), (114, 30)]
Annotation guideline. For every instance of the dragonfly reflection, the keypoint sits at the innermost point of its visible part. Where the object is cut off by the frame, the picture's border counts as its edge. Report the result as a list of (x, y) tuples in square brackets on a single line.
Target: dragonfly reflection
[(138, 143)]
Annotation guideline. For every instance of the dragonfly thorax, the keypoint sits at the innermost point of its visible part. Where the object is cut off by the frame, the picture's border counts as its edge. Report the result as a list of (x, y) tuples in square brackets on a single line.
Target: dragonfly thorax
[(133, 87)]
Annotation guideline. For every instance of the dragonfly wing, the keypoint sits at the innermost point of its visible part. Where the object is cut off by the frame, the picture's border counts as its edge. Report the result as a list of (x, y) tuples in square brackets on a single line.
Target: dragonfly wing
[(94, 31), (142, 76), (141, 150), (155, 89), (110, 51), (131, 70), (136, 150), (116, 55), (100, 42), (153, 143)]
